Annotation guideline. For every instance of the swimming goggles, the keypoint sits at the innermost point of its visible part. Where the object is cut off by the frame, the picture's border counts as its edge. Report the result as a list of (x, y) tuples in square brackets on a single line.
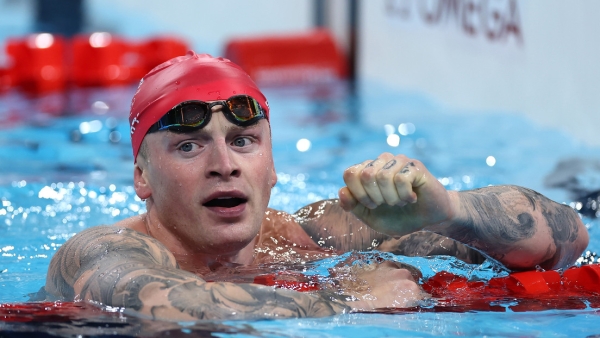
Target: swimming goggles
[(241, 110)]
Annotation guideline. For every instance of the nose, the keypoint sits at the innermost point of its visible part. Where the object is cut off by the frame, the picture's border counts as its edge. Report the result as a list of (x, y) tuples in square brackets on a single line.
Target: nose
[(221, 162)]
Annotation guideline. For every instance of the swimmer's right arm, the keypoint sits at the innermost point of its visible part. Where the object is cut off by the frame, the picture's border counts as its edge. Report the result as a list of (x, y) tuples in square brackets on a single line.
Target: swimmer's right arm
[(121, 267)]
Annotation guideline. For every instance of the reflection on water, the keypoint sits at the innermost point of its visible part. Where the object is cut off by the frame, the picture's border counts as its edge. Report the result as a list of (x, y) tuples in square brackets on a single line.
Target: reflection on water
[(60, 175), (47, 319), (67, 319)]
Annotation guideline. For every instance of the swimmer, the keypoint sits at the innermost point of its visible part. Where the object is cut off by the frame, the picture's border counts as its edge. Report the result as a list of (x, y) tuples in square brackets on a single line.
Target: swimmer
[(203, 165)]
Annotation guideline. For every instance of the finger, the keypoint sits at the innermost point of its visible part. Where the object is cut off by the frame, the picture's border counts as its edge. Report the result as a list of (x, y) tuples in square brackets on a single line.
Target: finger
[(347, 201), (355, 186), (385, 181), (404, 180), (368, 178)]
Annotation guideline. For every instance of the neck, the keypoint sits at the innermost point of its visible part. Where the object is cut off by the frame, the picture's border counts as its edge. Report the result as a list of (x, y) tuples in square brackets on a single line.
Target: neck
[(202, 264), (194, 257)]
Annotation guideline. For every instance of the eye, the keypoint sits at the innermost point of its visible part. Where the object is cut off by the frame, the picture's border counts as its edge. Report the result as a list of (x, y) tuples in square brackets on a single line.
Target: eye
[(242, 142), (187, 147)]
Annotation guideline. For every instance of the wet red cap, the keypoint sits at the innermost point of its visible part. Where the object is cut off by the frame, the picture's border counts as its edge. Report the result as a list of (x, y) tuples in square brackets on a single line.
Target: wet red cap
[(189, 77)]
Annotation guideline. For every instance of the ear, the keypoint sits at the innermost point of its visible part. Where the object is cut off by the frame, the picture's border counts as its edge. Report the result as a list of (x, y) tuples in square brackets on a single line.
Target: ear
[(140, 183), (273, 177)]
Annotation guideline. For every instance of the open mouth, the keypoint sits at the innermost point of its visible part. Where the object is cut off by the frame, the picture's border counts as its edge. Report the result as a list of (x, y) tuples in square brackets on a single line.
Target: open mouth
[(225, 202)]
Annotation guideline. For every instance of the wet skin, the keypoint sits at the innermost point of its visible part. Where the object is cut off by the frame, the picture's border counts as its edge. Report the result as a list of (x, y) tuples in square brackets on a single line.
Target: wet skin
[(207, 194), (185, 172)]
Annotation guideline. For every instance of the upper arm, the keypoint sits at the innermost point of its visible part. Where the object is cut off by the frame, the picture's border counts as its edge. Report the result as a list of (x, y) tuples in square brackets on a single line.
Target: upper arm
[(121, 267), (98, 252)]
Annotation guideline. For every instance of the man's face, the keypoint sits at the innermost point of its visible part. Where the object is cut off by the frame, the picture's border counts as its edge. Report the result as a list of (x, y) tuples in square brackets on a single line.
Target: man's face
[(209, 188)]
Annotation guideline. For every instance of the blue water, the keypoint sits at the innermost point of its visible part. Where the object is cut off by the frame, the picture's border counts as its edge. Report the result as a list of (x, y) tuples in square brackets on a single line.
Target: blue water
[(59, 175)]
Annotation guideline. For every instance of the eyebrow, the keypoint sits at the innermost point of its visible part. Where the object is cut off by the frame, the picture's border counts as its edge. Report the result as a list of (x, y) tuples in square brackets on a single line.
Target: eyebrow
[(233, 127), (229, 128)]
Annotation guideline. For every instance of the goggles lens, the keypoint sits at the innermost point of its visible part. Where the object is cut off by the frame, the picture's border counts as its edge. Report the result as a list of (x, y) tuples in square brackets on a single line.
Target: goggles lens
[(244, 108), (191, 115), (241, 110)]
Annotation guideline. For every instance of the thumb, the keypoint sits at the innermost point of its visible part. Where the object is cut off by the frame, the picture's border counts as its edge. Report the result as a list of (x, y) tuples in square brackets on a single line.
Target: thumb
[(347, 200)]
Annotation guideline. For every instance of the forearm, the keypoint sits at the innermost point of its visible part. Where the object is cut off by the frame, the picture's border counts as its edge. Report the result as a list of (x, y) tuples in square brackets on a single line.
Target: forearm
[(350, 233), (177, 295), (427, 243), (517, 226), (332, 227)]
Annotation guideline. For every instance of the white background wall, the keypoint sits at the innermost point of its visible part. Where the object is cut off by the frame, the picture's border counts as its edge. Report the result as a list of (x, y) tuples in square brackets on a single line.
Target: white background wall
[(549, 70)]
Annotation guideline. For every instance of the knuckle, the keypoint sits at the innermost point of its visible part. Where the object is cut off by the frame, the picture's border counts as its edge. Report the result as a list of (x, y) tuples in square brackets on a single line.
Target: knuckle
[(383, 177), (367, 175), (349, 173), (412, 287), (407, 286), (399, 179), (404, 274), (416, 288), (386, 156)]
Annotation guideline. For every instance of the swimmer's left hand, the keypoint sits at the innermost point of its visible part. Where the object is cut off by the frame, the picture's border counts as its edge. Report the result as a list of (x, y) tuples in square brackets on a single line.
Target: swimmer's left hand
[(377, 285), (396, 195)]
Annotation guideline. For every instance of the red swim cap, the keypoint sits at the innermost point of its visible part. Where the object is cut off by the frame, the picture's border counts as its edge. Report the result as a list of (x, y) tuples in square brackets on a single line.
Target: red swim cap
[(189, 77)]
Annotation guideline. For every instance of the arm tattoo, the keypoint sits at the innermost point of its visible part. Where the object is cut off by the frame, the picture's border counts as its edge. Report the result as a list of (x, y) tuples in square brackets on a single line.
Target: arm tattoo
[(332, 227), (217, 300), (498, 217), (123, 268), (505, 225), (92, 245), (425, 243)]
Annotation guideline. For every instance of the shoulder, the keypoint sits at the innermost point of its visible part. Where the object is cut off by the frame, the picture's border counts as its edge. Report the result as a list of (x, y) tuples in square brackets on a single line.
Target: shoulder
[(102, 246), (100, 241), (137, 223)]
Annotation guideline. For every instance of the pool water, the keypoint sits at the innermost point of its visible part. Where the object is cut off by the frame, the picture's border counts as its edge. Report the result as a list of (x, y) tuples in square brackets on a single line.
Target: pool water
[(61, 174)]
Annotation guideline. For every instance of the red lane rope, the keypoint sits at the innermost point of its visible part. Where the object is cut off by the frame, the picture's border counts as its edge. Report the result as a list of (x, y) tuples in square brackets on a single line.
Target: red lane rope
[(49, 312), (576, 288)]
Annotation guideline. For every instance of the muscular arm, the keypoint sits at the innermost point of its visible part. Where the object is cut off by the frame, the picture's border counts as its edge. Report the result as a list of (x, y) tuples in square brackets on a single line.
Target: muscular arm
[(123, 268), (517, 226), (332, 227), (520, 228)]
